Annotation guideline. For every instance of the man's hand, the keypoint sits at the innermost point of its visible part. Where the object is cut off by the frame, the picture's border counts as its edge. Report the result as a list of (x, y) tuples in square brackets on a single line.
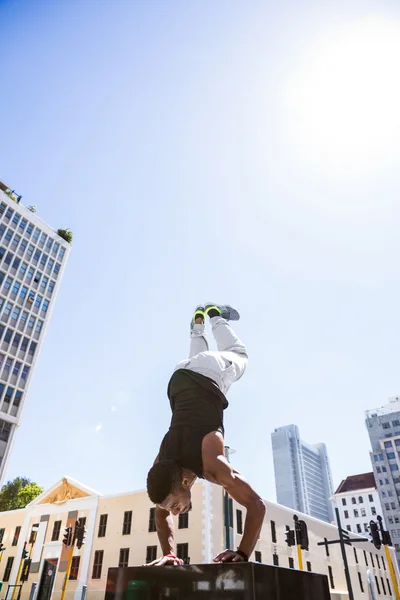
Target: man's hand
[(165, 560), (228, 556)]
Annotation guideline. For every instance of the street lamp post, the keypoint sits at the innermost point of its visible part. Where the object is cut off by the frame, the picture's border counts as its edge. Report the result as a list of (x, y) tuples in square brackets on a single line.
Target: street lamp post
[(228, 509)]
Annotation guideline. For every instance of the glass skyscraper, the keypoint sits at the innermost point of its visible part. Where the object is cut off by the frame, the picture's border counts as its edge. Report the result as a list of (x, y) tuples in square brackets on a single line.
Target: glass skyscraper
[(32, 261)]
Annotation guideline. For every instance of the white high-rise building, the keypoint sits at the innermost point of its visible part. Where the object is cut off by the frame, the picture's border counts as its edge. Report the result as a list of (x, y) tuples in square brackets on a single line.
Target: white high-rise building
[(302, 474), (32, 261)]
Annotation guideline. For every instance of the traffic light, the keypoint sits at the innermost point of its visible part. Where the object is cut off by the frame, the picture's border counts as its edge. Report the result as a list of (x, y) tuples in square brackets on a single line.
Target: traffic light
[(290, 537), (303, 535), (386, 539), (80, 534), (24, 552), (67, 538), (25, 570), (376, 538)]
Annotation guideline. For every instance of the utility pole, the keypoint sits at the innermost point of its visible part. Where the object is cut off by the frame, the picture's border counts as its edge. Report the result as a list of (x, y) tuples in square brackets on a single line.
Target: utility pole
[(301, 533), (344, 539), (69, 540), (386, 541)]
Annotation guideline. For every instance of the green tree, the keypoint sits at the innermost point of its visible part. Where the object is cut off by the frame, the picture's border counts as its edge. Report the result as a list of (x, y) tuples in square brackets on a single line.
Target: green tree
[(18, 493)]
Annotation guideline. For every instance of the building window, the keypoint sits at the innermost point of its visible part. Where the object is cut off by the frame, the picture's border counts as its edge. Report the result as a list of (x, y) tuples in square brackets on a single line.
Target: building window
[(123, 557), (393, 505), (183, 521), (387, 506), (17, 398), (34, 529), (97, 564), (385, 426), (102, 525), (355, 556), (373, 510), (182, 551), (331, 580), (388, 444), (377, 561), (348, 527), (151, 554), (56, 531), (24, 344), (309, 568), (239, 521), (73, 574), (366, 527), (363, 512), (358, 528), (372, 560), (16, 369), (378, 470), (354, 501), (360, 500), (356, 512), (7, 570), (16, 536), (377, 585), (291, 563), (360, 582), (273, 532), (25, 372), (365, 558), (275, 559), (257, 556), (388, 585), (391, 455), (344, 501), (346, 514), (127, 524), (383, 563)]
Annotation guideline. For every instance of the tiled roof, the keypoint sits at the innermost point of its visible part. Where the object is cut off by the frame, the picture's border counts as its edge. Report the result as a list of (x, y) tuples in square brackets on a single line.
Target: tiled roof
[(357, 482)]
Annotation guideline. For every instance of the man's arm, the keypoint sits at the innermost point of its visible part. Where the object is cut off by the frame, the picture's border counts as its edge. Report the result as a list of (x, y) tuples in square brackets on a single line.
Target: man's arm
[(242, 492), (165, 530)]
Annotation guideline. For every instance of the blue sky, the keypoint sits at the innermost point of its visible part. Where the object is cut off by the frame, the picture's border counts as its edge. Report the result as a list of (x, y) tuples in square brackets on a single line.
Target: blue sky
[(237, 151)]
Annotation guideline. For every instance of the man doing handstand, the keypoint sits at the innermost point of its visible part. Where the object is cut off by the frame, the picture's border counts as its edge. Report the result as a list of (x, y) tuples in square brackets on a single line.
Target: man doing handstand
[(194, 444)]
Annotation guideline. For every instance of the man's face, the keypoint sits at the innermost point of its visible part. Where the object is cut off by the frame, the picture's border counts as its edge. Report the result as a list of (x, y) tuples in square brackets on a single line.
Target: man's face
[(178, 502)]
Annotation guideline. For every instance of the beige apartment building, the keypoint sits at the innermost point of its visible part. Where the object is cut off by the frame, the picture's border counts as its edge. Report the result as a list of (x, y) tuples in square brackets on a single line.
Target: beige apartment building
[(121, 532)]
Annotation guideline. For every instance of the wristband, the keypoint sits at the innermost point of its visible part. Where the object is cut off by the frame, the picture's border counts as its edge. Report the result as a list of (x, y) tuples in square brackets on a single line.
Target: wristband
[(243, 555)]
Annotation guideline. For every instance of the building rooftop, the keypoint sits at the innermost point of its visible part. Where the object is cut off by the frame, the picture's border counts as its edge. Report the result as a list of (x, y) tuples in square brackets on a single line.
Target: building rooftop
[(357, 482)]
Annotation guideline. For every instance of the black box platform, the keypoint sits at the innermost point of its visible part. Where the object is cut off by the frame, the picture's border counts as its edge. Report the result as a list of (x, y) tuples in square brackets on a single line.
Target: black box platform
[(240, 581)]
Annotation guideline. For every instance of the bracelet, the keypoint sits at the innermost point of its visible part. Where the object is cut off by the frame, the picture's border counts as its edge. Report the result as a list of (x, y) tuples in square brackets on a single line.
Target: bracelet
[(243, 555)]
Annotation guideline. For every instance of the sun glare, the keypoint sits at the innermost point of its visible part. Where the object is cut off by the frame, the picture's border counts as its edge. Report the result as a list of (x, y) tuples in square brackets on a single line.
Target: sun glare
[(343, 103)]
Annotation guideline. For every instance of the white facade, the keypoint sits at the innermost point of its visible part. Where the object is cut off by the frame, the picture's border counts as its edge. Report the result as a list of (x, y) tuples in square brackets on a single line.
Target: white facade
[(32, 261), (357, 508)]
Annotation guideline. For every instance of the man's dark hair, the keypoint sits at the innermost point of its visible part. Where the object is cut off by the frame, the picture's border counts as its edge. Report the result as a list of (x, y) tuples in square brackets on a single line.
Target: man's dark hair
[(163, 478)]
